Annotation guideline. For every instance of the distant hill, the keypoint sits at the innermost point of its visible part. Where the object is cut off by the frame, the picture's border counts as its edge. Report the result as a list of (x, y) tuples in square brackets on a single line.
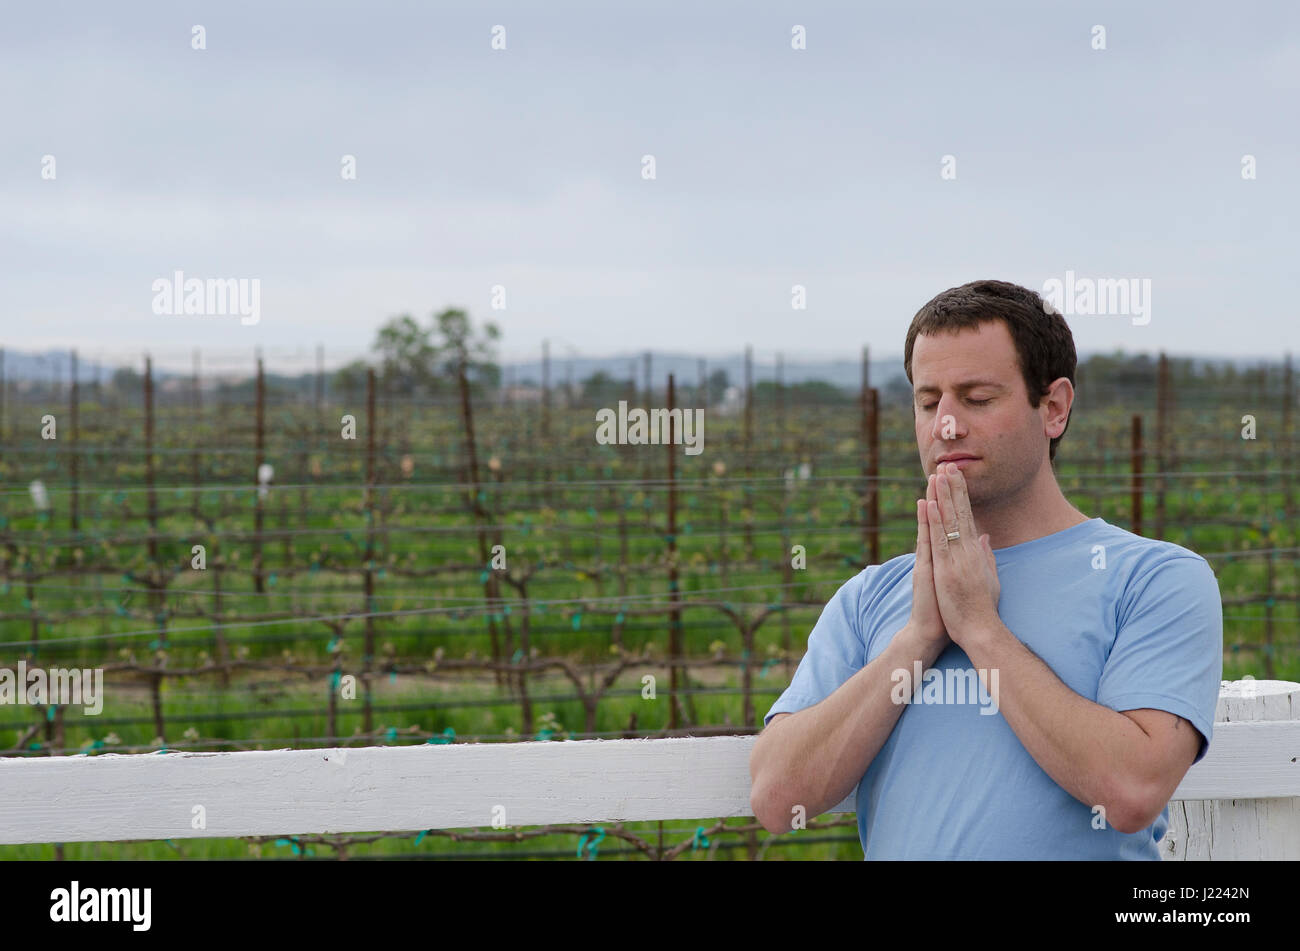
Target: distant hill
[(686, 369), (49, 365), (55, 364)]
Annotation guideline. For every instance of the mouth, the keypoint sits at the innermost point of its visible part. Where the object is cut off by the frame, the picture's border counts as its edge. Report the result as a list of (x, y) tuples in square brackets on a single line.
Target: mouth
[(960, 460)]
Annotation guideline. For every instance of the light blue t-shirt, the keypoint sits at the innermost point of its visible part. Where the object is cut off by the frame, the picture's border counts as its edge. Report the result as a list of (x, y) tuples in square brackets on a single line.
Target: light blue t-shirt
[(1122, 620)]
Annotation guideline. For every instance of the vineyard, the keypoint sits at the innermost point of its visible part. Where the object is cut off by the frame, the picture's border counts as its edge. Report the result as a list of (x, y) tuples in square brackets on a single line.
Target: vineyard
[(310, 568)]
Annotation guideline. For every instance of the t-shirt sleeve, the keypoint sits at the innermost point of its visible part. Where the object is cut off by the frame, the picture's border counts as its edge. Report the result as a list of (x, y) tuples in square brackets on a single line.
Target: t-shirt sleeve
[(835, 651), (1168, 653)]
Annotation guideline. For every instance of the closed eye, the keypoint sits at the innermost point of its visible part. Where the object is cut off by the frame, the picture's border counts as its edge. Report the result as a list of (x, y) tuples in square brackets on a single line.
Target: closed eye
[(972, 402)]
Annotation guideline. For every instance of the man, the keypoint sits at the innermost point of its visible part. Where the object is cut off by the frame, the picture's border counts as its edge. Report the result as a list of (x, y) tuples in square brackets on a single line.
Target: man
[(1097, 653)]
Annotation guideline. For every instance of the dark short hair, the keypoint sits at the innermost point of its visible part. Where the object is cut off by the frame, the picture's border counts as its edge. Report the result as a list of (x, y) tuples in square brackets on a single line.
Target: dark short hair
[(1044, 344)]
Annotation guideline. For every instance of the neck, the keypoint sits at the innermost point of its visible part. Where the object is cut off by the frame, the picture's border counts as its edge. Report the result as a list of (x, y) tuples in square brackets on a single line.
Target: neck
[(1039, 509)]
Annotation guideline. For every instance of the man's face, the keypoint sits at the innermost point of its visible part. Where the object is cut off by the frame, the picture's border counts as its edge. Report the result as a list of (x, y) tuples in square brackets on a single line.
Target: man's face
[(969, 400)]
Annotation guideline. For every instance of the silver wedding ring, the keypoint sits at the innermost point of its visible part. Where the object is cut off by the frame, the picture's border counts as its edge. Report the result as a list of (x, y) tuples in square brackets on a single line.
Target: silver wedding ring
[(953, 535)]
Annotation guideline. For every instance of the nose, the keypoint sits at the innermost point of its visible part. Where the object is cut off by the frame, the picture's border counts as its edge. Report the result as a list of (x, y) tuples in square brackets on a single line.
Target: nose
[(947, 421)]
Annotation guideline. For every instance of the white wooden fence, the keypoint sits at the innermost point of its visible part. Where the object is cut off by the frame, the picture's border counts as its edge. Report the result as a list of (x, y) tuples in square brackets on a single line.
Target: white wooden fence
[(1241, 801)]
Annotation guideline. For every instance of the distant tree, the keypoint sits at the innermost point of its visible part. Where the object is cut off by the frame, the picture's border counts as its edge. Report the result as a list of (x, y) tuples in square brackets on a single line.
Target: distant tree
[(350, 379), (897, 392), (406, 355), (819, 393), (601, 389), (415, 359), (457, 345), (807, 393), (717, 384), (126, 380)]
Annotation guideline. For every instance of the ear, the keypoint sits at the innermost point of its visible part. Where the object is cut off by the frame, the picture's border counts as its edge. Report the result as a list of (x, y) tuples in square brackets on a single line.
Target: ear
[(1059, 399)]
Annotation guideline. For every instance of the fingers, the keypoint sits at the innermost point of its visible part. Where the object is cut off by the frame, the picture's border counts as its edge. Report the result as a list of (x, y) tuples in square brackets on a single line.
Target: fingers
[(931, 496), (947, 511), (922, 535), (961, 502), (938, 535), (954, 505), (922, 519)]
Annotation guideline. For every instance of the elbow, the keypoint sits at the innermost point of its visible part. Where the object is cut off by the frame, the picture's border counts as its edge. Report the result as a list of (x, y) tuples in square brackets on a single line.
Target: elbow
[(764, 801), (1144, 816), (1135, 807), (1121, 822), (1130, 826), (759, 800), (768, 813), (758, 806), (772, 796)]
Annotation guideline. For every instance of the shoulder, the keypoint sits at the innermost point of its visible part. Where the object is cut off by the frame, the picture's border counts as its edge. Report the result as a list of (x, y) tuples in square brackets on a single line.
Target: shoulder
[(1141, 568), (1138, 556), (876, 581), (889, 573), (869, 586)]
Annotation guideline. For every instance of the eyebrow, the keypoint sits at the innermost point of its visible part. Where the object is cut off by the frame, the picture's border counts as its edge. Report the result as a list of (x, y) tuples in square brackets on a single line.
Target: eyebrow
[(961, 387)]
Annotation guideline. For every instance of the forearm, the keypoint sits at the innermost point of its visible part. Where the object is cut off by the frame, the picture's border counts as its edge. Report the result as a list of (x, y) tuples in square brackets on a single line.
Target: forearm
[(1092, 752), (815, 757)]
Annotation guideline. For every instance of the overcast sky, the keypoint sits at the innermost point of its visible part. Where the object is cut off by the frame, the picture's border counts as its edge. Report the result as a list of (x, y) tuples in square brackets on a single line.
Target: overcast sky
[(523, 167)]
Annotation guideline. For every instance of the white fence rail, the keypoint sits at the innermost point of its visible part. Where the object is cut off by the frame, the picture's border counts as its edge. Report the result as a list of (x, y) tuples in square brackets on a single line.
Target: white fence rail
[(1241, 801)]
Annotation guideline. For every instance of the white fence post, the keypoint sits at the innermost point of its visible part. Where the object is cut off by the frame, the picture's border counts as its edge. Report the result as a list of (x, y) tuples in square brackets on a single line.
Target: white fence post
[(1225, 829)]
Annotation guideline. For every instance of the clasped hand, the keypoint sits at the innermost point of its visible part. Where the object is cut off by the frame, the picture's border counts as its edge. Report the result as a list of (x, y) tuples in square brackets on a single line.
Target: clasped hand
[(963, 570)]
